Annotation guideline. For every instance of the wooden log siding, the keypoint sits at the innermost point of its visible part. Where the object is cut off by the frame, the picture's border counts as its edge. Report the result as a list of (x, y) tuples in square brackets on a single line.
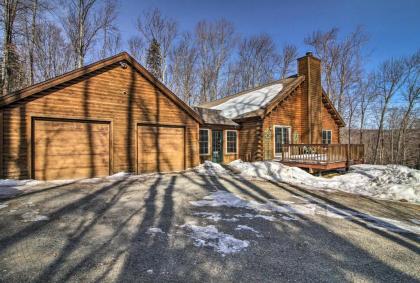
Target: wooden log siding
[(113, 93)]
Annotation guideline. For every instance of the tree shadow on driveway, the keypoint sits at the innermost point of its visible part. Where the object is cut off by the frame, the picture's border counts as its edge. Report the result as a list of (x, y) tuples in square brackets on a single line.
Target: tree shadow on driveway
[(104, 235)]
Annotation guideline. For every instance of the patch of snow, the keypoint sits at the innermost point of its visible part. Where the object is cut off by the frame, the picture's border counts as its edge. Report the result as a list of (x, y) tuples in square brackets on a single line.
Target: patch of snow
[(393, 182), (386, 224), (415, 221), (215, 216), (210, 168), (246, 228), (149, 271), (18, 183), (119, 175), (248, 102), (288, 211), (154, 230), (209, 236), (34, 216), (221, 198), (252, 216)]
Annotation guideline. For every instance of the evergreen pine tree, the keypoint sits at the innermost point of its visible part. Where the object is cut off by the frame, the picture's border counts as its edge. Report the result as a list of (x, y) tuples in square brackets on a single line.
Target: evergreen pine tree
[(154, 59)]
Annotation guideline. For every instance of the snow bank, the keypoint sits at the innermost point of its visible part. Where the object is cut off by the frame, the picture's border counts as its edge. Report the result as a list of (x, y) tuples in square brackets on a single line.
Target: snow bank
[(210, 168), (209, 236), (393, 182)]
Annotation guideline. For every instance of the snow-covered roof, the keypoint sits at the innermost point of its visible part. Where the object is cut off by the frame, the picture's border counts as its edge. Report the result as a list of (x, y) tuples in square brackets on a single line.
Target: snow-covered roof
[(249, 101)]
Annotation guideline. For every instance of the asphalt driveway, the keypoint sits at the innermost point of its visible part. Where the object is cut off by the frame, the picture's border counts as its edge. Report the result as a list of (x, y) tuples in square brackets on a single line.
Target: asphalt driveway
[(158, 228)]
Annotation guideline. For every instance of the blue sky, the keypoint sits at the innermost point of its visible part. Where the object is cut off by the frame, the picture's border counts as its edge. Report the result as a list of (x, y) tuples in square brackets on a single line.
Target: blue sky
[(393, 26)]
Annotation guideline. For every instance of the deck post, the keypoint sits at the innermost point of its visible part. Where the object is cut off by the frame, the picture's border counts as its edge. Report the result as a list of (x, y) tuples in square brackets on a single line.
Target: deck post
[(347, 157), (282, 152)]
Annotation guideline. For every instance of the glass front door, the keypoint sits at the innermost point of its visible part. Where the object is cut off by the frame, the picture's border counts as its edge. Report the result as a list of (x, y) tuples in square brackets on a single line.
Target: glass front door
[(217, 146), (281, 136)]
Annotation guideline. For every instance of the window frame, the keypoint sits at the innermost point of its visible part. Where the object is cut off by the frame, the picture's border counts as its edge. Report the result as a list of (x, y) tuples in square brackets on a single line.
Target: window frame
[(227, 141), (289, 129), (322, 136), (208, 142)]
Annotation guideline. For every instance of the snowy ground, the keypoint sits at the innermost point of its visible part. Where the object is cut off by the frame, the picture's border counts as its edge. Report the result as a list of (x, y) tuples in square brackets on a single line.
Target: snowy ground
[(392, 182)]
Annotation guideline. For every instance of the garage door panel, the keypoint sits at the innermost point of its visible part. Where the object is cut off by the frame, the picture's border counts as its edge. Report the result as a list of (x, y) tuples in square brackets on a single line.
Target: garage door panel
[(160, 149), (70, 149)]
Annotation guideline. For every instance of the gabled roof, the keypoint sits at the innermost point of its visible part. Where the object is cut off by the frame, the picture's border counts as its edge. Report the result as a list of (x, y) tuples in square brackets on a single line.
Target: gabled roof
[(121, 57), (214, 117), (255, 101), (332, 110)]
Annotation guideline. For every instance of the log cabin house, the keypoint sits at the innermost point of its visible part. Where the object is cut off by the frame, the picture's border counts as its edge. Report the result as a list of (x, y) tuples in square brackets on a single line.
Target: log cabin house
[(113, 116), (290, 120)]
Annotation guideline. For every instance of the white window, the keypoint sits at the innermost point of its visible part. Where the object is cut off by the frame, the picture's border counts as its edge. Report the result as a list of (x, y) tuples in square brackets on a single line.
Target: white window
[(231, 141), (204, 141), (281, 136), (326, 136)]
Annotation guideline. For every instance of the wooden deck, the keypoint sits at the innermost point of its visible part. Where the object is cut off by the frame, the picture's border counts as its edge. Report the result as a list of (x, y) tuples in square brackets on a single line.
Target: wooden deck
[(321, 157)]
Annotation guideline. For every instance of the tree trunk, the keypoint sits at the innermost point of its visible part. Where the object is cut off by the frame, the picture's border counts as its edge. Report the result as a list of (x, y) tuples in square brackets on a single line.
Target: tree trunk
[(32, 42), (80, 47)]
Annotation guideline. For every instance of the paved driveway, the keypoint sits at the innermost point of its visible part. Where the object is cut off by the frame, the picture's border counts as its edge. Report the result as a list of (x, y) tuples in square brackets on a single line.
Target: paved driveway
[(159, 228)]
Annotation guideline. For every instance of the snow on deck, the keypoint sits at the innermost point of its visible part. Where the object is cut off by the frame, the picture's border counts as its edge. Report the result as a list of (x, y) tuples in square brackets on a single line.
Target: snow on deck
[(249, 102)]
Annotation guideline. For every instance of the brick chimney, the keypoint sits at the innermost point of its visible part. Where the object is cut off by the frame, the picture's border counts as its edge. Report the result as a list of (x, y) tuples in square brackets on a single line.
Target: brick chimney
[(310, 67)]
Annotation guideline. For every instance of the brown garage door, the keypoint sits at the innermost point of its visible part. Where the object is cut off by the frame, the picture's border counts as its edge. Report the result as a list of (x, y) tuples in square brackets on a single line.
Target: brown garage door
[(160, 149), (70, 149)]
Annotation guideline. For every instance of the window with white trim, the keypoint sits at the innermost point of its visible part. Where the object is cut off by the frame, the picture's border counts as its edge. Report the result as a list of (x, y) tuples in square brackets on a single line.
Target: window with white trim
[(326, 136), (204, 141), (231, 141)]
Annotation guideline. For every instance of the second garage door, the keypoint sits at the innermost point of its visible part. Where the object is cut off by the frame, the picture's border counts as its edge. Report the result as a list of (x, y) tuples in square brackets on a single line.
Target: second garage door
[(160, 148), (68, 149)]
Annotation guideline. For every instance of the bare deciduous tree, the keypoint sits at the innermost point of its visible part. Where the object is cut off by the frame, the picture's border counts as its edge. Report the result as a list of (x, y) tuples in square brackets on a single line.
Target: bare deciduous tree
[(9, 11), (288, 58), (258, 61), (411, 95), (136, 47), (154, 26), (183, 69), (215, 41), (341, 61), (83, 20), (53, 55), (388, 80)]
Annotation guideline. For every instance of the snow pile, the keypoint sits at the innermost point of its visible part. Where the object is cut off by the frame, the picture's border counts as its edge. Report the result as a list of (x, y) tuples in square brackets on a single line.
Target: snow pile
[(209, 236), (210, 168), (394, 182), (248, 102)]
